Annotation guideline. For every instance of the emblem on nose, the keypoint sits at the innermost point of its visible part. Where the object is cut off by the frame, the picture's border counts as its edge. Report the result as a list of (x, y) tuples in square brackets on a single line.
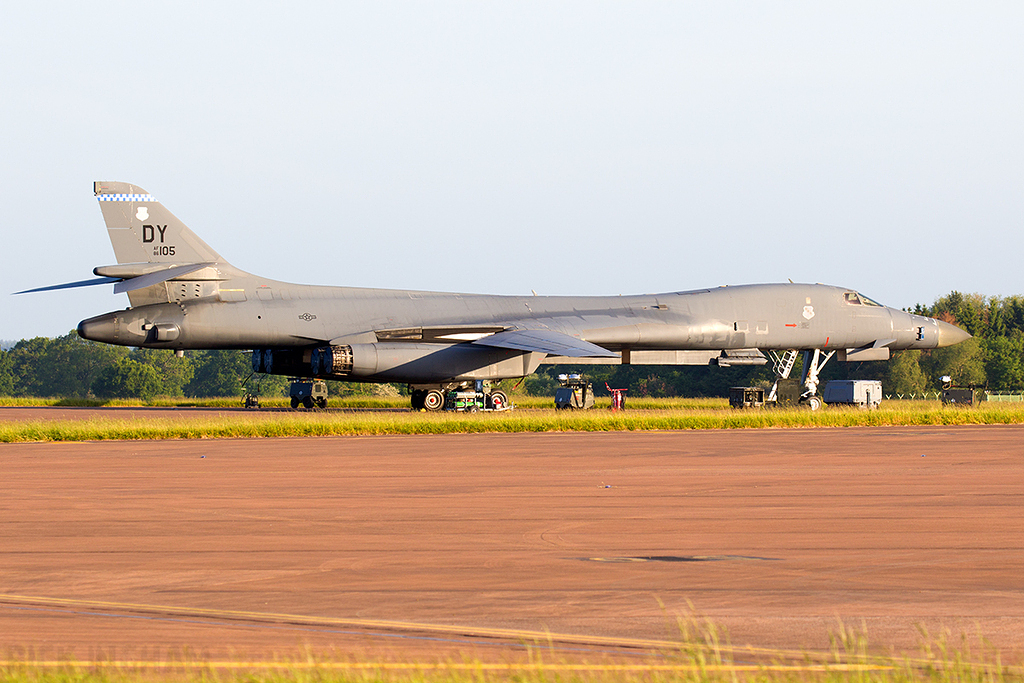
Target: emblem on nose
[(808, 312)]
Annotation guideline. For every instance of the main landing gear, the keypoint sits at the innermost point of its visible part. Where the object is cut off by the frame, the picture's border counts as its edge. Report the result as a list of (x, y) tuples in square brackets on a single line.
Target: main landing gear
[(813, 361), (471, 396)]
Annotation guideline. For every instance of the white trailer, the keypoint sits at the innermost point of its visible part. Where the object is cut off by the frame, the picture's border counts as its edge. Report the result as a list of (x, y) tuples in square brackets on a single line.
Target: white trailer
[(866, 393)]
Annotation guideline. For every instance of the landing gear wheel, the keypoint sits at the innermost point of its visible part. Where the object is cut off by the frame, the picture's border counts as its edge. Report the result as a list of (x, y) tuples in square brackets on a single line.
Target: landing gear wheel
[(433, 400), (307, 403), (295, 403), (814, 403), (417, 399), (498, 400)]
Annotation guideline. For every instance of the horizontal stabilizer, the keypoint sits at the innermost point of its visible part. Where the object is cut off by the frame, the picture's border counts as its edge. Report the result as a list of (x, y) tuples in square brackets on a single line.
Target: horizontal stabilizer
[(150, 279), (545, 341), (130, 284), (71, 285)]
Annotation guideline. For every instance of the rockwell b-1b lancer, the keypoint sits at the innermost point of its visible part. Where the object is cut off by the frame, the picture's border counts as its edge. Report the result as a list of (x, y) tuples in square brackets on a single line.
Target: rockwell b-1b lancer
[(184, 295)]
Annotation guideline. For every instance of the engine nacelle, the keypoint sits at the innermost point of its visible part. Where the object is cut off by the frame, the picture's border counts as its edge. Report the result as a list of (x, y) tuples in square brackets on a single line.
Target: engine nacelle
[(420, 362), (408, 363)]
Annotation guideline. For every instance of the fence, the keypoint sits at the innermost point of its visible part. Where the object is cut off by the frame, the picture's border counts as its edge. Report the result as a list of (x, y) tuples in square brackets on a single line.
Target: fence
[(1004, 396), (921, 396), (998, 396)]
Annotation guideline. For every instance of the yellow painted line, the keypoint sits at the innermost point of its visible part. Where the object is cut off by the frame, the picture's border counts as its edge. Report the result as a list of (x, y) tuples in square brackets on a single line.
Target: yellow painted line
[(472, 631), (517, 635), (455, 666)]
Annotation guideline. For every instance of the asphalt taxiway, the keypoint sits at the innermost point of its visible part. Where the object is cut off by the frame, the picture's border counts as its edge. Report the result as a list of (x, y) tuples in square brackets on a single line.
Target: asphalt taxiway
[(406, 545)]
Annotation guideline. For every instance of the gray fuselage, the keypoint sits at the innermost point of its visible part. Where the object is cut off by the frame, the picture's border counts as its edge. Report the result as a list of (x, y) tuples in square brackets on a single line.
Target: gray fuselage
[(268, 314)]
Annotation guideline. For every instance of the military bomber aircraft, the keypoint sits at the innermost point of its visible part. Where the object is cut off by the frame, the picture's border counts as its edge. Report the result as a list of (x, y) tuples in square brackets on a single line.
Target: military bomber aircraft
[(184, 295)]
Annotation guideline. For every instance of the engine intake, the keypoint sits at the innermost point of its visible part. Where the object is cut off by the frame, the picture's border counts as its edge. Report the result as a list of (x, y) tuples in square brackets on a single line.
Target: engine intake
[(279, 362)]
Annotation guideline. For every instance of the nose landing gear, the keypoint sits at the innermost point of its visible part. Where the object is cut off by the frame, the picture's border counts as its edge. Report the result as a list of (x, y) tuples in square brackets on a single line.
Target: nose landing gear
[(807, 395)]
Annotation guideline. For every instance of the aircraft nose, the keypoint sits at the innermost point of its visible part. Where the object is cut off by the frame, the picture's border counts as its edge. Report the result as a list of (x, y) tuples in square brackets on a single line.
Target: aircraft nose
[(950, 334)]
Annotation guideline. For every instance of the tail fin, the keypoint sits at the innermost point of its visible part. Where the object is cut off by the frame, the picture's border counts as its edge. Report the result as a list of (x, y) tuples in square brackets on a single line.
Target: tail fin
[(142, 231)]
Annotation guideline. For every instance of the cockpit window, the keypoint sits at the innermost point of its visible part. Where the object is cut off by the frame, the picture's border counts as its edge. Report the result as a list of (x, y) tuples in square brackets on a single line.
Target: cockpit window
[(858, 299)]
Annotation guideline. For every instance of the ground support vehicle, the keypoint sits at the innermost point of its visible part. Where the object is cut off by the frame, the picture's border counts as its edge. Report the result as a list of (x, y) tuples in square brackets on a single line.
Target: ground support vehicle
[(746, 397), (576, 393), (863, 393), (963, 396), (788, 392), (308, 393)]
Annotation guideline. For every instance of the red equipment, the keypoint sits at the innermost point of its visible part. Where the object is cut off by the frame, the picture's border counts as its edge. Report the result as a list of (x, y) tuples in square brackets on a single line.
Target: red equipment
[(618, 397)]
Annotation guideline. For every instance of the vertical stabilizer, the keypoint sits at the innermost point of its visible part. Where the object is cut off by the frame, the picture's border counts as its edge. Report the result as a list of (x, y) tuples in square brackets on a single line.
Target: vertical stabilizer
[(142, 231)]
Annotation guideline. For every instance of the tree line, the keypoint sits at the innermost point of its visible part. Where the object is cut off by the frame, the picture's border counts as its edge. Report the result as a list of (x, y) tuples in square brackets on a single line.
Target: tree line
[(71, 367)]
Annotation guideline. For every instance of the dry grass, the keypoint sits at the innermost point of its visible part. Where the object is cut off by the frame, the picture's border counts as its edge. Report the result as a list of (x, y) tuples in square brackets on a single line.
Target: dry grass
[(703, 655), (255, 424), (343, 402)]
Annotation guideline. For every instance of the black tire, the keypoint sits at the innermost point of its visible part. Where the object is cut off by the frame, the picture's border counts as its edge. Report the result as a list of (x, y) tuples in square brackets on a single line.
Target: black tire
[(417, 399), (307, 403), (498, 400), (295, 403), (433, 400)]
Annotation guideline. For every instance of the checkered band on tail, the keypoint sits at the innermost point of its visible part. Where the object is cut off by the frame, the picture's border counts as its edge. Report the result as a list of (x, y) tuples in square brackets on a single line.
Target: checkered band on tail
[(126, 198)]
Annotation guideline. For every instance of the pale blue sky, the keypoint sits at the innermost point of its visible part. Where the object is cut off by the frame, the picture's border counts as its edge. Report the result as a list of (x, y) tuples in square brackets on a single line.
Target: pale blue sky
[(486, 146)]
